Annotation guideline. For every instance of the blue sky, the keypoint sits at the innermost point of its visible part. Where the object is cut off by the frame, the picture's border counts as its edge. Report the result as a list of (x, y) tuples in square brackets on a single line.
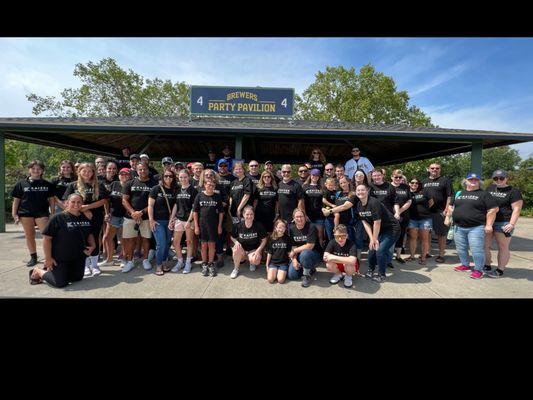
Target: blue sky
[(469, 83)]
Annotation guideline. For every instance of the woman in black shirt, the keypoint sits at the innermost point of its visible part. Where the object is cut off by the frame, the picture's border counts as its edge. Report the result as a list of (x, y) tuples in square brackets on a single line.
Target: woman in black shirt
[(67, 241), (266, 203), (313, 198), (509, 200), (403, 196), (420, 220), (33, 197), (60, 182), (249, 238), (317, 160), (240, 193)]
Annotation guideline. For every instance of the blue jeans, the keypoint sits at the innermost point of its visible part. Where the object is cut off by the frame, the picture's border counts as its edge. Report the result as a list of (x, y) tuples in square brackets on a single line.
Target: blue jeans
[(162, 239), (473, 238), (328, 227), (383, 256), (359, 231), (308, 260)]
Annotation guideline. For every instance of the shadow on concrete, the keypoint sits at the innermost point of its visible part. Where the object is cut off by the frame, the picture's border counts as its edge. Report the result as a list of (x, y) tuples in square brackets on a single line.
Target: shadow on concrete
[(107, 279), (518, 273), (519, 244)]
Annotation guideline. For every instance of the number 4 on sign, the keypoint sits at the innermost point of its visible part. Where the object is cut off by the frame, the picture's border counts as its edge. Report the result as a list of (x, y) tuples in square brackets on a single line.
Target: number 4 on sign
[(284, 103), (200, 100)]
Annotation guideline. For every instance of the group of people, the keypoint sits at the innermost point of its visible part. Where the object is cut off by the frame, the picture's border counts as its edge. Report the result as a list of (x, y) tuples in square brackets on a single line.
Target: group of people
[(329, 213)]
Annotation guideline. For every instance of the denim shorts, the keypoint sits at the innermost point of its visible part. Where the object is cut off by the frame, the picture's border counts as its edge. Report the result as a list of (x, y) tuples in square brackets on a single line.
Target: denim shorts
[(497, 227), (116, 222), (279, 267), (426, 224), (318, 221)]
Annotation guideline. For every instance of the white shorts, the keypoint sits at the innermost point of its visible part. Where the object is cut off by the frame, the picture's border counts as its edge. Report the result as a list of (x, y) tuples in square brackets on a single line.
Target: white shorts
[(179, 225), (129, 231)]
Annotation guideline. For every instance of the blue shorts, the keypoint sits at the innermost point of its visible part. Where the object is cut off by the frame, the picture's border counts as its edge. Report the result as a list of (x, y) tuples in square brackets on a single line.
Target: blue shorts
[(116, 222), (279, 267), (318, 221), (497, 227), (426, 224)]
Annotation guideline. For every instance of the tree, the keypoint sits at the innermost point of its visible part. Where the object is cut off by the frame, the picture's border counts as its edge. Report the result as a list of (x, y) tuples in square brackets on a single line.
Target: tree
[(109, 91), (369, 97)]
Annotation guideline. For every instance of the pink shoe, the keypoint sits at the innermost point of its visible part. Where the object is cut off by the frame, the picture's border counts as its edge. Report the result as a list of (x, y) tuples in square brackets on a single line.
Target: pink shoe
[(476, 274), (462, 268)]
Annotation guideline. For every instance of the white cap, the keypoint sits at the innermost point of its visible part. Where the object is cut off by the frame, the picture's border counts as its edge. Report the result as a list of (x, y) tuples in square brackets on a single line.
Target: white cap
[(144, 156)]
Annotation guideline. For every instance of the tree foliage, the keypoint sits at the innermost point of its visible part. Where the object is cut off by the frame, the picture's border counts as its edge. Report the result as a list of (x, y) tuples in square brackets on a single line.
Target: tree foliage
[(370, 97)]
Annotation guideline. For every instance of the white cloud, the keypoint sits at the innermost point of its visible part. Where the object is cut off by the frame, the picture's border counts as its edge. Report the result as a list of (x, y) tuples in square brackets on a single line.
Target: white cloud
[(452, 73)]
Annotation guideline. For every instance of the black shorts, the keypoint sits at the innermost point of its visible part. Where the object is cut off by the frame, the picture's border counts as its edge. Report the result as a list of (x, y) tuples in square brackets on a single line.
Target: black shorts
[(438, 224), (36, 214), (208, 233)]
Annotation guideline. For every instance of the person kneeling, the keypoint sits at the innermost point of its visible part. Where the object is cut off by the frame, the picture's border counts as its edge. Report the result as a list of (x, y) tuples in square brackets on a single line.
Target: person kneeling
[(67, 241), (341, 257)]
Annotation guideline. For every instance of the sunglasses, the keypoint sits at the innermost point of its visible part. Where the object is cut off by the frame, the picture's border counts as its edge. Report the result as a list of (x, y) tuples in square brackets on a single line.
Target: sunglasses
[(316, 152), (339, 236), (498, 178), (254, 166), (329, 169), (434, 168), (397, 177), (267, 177), (413, 183), (302, 170), (285, 172), (168, 176)]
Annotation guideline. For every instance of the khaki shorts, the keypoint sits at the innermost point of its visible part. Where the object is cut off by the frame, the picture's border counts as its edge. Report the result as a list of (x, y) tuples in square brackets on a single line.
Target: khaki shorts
[(129, 232)]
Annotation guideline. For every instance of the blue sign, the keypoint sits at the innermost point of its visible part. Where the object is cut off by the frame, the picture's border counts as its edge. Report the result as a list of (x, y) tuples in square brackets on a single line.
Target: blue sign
[(263, 102)]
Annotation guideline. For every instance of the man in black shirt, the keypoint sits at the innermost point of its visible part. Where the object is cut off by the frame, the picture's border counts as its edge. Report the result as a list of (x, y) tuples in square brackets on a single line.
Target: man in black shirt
[(211, 162), (124, 161), (440, 189), (290, 194)]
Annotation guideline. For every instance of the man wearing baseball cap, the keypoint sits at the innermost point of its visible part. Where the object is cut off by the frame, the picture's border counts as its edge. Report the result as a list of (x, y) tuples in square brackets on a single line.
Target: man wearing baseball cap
[(269, 166), (167, 164), (146, 161), (134, 160), (227, 157), (473, 212), (357, 162)]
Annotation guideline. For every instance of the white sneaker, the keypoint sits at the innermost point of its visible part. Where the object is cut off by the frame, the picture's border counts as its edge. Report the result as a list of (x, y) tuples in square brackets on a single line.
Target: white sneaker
[(146, 265), (178, 266), (105, 263), (151, 255), (96, 271), (188, 267), (253, 267), (348, 282), (335, 279), (234, 273), (128, 266), (88, 271)]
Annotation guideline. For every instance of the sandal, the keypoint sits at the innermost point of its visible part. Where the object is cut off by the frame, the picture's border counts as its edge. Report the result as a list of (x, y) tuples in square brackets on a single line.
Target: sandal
[(410, 258), (166, 268), (400, 260), (439, 259), (422, 261), (159, 271)]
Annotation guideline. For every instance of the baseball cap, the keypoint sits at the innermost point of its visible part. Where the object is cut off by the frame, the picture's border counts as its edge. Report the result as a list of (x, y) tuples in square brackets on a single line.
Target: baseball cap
[(499, 174), (124, 171), (315, 171), (167, 160), (268, 162), (472, 175), (178, 164), (144, 156), (189, 165), (132, 156)]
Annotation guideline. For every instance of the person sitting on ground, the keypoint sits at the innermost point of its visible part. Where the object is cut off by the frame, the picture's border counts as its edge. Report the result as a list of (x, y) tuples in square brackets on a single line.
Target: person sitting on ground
[(67, 241)]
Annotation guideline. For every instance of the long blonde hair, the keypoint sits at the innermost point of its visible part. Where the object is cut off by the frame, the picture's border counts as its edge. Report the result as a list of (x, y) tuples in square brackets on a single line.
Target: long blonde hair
[(94, 181), (261, 183)]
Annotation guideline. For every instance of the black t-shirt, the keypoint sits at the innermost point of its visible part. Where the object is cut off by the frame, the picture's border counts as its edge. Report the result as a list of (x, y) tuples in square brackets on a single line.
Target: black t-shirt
[(249, 238), (238, 189), (185, 200), (161, 209), (89, 194), (336, 249), (385, 193), (280, 249), (420, 205), (225, 181), (470, 208), (504, 198), (317, 165), (313, 201), (375, 210), (403, 194), (115, 200), (33, 195), (208, 208), (138, 193), (266, 202), (123, 163), (221, 190), (107, 183), (300, 237), (346, 216), (330, 195), (288, 196), (210, 165), (69, 235), (439, 189), (59, 185), (254, 178)]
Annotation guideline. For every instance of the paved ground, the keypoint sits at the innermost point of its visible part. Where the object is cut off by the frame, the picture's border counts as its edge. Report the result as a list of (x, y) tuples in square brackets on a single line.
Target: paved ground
[(405, 281)]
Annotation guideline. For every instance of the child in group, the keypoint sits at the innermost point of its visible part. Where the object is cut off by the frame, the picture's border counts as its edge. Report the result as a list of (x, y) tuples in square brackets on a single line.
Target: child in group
[(278, 248), (341, 257)]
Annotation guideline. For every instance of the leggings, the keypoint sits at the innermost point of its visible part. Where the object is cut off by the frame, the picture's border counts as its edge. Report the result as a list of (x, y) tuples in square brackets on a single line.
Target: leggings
[(404, 222), (65, 272), (96, 226)]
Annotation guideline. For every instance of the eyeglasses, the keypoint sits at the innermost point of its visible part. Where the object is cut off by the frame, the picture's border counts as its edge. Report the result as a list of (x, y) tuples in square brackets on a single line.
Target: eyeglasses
[(499, 178), (285, 172)]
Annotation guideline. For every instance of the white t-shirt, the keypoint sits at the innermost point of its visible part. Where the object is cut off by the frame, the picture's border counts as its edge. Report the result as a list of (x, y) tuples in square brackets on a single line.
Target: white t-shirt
[(352, 165)]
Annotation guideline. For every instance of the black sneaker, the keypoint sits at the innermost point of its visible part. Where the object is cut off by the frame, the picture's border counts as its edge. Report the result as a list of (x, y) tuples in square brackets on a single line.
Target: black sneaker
[(379, 278), (32, 262), (400, 260), (306, 282), (212, 269), (487, 268), (389, 265), (205, 269), (369, 274)]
